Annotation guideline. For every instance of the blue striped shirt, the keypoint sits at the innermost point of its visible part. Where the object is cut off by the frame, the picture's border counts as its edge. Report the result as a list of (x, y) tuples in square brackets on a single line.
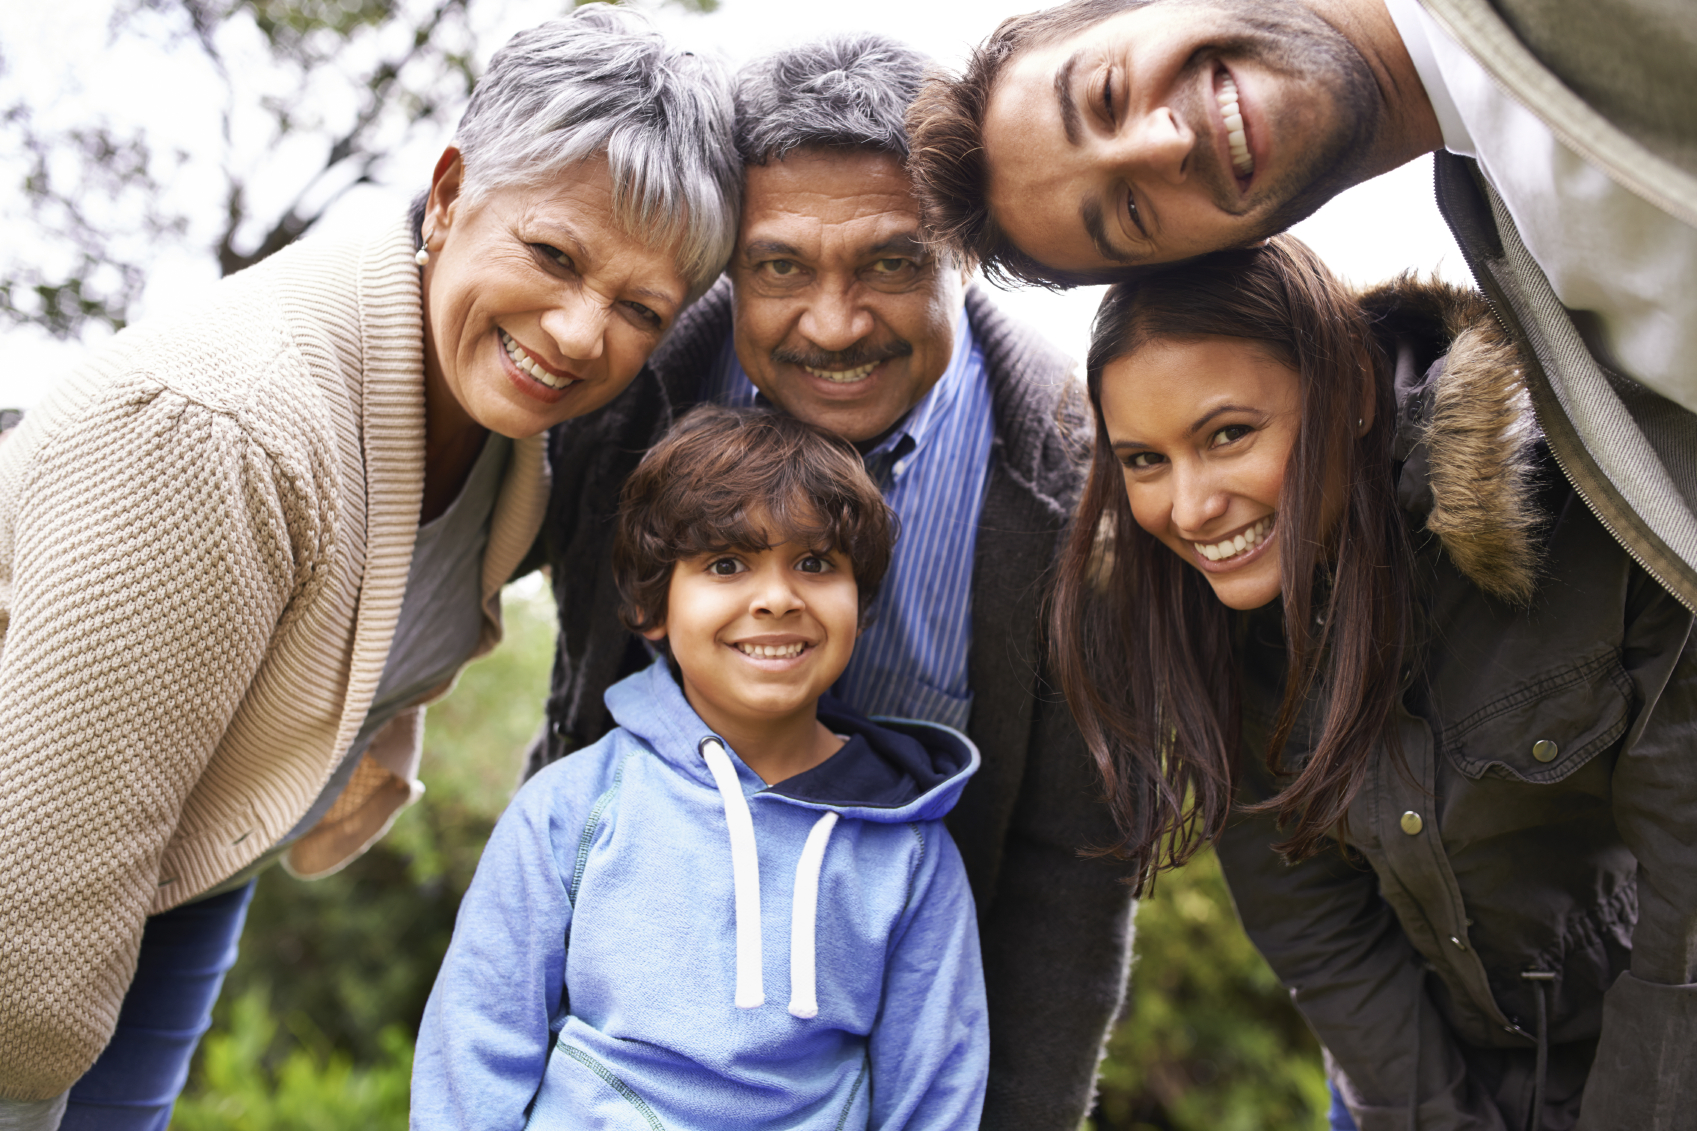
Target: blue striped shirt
[(911, 662)]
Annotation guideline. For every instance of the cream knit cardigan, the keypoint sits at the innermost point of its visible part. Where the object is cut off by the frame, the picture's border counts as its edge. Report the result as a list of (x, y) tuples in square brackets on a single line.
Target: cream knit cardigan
[(204, 540)]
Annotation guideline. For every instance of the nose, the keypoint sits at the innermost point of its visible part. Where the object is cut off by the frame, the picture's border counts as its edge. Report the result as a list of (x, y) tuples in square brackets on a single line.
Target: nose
[(578, 324), (1157, 144), (835, 319), (1197, 499), (775, 593)]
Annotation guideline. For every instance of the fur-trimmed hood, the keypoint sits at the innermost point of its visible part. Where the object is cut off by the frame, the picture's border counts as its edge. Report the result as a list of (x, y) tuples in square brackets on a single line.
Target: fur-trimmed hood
[(1466, 437)]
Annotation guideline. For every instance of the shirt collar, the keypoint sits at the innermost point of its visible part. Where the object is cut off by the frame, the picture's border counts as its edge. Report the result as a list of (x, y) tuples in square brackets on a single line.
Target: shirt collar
[(1417, 29)]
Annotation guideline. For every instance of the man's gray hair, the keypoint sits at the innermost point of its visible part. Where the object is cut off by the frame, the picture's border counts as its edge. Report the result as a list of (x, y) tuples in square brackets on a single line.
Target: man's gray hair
[(844, 92), (604, 81)]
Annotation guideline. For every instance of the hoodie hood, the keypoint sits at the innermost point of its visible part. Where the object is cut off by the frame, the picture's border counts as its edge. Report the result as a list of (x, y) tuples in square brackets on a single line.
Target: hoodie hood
[(889, 771), (1467, 439)]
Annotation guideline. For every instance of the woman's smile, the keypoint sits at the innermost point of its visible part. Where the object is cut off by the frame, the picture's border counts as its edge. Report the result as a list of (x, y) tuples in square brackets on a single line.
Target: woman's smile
[(1203, 428), (1237, 549)]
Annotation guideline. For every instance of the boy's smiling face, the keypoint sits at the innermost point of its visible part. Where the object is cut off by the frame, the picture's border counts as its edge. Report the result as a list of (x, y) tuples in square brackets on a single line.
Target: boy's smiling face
[(759, 635)]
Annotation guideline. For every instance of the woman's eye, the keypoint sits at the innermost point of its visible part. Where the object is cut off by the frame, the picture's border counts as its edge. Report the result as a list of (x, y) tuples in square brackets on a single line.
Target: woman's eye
[(644, 315), (1142, 461), (1230, 434), (1108, 96), (553, 255), (725, 567), (782, 268)]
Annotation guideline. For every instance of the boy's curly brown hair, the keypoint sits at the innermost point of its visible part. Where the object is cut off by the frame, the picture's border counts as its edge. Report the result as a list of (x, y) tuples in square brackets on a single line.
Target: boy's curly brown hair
[(744, 479)]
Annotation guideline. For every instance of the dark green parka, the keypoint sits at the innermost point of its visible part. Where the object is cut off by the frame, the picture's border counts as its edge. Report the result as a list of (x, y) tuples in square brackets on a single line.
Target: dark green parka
[(1532, 876)]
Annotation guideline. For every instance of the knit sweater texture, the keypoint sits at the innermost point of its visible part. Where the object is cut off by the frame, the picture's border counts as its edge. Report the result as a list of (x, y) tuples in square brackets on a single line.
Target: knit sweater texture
[(204, 540)]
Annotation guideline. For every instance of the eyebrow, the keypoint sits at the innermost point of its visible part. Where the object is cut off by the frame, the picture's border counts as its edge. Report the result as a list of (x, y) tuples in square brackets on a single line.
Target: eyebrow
[(756, 248), (1063, 95), (1202, 421), (902, 243)]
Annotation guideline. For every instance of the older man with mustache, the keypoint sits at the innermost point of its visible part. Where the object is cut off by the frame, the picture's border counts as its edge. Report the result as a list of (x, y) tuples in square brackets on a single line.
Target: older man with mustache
[(836, 312)]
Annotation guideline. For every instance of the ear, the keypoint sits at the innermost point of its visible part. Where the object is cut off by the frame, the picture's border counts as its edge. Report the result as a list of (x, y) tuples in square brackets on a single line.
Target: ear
[(654, 635), (443, 203)]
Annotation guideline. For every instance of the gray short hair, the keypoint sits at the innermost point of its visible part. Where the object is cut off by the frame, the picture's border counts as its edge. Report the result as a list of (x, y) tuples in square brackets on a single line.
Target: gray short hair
[(604, 81), (844, 92)]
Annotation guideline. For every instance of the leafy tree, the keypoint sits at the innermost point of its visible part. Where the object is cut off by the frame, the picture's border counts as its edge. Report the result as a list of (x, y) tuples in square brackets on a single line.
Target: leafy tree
[(315, 96)]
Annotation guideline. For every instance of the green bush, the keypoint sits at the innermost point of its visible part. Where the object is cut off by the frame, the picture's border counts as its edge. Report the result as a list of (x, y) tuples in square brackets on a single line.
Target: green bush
[(241, 1088), (1211, 1041), (315, 1025)]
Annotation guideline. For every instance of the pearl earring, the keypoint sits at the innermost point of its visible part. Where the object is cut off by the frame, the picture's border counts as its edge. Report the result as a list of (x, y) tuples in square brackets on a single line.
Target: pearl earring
[(422, 258), (1359, 422)]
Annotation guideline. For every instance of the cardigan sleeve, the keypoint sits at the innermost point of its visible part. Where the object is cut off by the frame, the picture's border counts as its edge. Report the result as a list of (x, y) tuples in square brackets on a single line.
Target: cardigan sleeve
[(150, 550)]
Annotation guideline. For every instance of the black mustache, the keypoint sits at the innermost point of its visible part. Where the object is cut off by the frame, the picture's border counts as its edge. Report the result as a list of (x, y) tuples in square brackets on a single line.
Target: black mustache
[(837, 360)]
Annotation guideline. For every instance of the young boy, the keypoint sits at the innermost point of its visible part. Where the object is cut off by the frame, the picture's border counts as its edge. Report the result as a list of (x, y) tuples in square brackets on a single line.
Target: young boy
[(739, 909)]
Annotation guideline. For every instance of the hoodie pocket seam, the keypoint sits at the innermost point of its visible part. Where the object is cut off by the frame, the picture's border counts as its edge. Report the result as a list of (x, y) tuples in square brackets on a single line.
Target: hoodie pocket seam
[(609, 1078)]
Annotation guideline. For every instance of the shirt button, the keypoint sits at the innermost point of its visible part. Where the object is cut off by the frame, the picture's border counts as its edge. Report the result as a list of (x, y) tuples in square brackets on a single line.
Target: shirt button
[(1544, 750), (1411, 823)]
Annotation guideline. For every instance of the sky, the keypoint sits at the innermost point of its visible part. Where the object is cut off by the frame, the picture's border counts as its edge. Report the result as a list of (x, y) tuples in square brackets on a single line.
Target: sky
[(61, 58)]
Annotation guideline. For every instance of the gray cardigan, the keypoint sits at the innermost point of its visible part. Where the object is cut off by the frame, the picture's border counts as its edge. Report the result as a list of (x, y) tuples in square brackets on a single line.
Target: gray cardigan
[(1055, 925)]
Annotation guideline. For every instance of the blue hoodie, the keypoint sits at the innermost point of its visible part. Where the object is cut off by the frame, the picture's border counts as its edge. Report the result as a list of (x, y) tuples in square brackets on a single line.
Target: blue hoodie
[(657, 939)]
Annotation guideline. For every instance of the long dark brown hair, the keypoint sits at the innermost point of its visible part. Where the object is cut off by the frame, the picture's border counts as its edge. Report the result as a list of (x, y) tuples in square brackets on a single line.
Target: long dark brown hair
[(1143, 648)]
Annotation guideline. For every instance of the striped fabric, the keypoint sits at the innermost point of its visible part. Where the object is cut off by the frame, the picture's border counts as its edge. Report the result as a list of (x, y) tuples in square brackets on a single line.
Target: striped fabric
[(911, 662)]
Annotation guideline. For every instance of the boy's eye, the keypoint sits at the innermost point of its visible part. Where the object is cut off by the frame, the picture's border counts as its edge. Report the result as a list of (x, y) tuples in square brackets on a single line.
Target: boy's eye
[(813, 563), (725, 567)]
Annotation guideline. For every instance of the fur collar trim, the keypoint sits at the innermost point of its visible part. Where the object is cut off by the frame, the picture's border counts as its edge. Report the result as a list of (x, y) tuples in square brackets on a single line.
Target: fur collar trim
[(1465, 427)]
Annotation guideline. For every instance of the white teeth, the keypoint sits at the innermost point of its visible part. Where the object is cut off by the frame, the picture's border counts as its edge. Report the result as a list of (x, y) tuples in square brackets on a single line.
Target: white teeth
[(842, 376), (1231, 547), (1242, 163), (523, 361), (771, 651)]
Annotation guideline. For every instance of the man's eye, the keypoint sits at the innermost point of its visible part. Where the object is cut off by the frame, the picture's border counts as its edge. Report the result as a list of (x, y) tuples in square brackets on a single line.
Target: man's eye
[(725, 567), (890, 266), (1108, 96), (1131, 207), (1231, 433), (781, 267)]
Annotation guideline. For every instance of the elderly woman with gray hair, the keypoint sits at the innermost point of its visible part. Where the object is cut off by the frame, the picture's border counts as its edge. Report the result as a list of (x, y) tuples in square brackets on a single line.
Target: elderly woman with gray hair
[(241, 547)]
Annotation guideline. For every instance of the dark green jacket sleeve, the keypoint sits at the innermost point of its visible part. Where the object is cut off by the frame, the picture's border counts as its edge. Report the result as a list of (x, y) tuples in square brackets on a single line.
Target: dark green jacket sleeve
[(1643, 1075)]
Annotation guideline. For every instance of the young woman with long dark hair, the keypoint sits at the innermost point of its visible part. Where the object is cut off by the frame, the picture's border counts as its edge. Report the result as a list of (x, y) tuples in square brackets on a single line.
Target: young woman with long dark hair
[(1328, 604)]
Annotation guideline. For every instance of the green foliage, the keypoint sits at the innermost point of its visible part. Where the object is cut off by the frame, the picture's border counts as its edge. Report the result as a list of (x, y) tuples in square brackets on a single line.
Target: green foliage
[(312, 1087), (1211, 1041)]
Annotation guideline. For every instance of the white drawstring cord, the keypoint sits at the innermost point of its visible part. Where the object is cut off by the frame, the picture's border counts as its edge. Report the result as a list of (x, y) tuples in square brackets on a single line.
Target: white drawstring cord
[(804, 997), (745, 874)]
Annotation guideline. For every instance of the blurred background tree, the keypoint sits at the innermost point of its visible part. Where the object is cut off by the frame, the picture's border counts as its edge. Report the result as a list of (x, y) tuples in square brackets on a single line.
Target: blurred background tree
[(313, 98)]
